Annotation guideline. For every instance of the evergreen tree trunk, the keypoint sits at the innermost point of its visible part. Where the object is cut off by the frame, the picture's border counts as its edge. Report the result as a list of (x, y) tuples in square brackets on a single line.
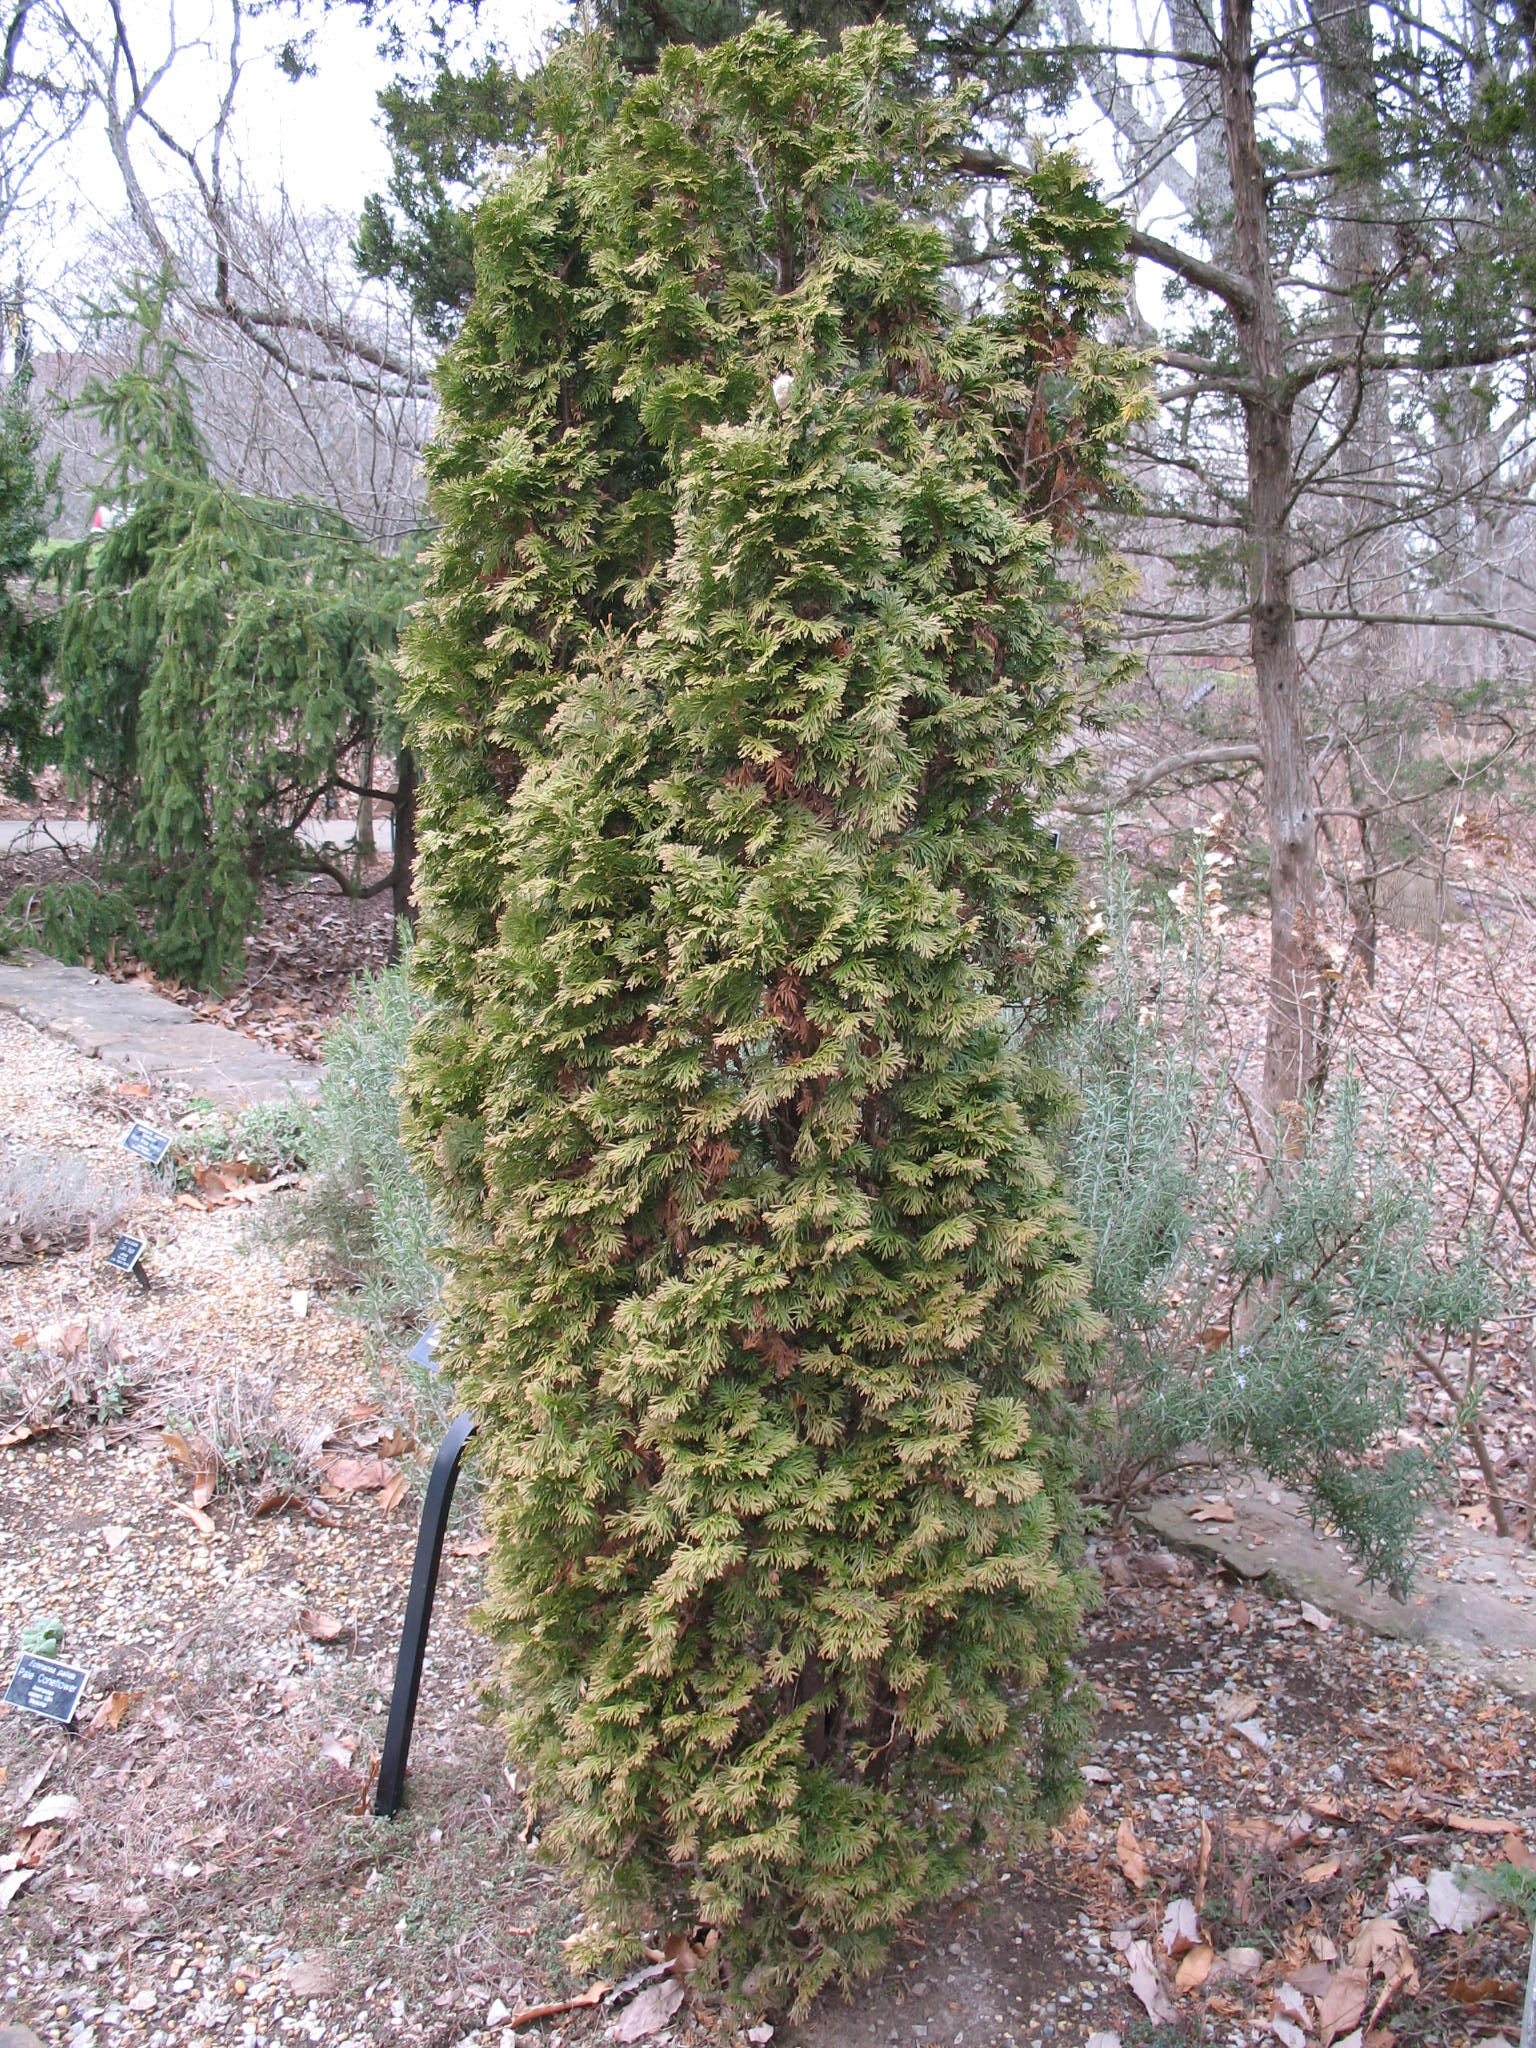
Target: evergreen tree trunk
[(404, 847), (366, 847), (1290, 1046)]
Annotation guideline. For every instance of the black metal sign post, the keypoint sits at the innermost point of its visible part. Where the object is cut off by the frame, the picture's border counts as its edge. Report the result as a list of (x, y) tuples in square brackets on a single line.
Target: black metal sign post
[(418, 1616)]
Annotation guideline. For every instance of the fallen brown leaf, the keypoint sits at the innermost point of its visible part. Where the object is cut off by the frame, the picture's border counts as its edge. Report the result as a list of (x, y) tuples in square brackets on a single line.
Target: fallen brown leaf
[(1342, 2005), (1241, 1707), (275, 1499), (1311, 1980), (472, 1546), (1181, 1929), (1130, 1856), (1482, 1991), (390, 1496), (1146, 1983), (531, 2014), (1214, 1511), (1203, 1868), (320, 1627), (203, 1523), (1194, 1969), (1381, 1949), (109, 1716), (649, 2012), (357, 1475), (1475, 1824)]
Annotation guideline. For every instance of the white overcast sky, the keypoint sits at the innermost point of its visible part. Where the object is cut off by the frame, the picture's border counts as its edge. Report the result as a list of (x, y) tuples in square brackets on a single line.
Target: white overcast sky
[(319, 136)]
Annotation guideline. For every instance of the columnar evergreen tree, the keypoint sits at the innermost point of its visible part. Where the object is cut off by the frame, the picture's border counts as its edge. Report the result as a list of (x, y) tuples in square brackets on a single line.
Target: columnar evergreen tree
[(738, 691)]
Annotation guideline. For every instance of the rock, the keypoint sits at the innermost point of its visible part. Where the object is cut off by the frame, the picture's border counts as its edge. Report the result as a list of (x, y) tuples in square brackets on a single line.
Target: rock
[(12, 2036), (311, 1978)]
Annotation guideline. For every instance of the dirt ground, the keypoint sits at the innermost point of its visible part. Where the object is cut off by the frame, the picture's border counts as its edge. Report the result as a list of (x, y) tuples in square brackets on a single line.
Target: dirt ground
[(1273, 1804)]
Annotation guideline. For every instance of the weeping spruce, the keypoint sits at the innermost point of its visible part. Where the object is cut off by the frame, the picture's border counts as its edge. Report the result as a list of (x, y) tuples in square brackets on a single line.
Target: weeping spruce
[(737, 710)]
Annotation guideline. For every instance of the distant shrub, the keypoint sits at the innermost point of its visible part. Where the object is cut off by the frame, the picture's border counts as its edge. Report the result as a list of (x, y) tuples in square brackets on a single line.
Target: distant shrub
[(364, 1205), (1265, 1320), (55, 1201)]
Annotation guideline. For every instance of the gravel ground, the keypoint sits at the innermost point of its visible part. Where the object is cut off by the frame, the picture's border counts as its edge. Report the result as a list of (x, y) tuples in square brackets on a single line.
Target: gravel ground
[(1265, 1794)]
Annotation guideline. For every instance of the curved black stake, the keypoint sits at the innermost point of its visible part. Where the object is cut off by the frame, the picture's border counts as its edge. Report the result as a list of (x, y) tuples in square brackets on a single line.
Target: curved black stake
[(418, 1616)]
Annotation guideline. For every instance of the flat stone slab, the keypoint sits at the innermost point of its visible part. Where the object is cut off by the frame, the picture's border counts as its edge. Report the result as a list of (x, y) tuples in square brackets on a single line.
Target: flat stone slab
[(1472, 1602), (146, 1036)]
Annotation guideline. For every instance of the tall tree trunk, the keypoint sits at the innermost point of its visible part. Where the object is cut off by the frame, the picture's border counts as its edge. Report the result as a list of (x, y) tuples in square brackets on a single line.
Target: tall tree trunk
[(365, 844), (405, 846), (1290, 1044), (1368, 564)]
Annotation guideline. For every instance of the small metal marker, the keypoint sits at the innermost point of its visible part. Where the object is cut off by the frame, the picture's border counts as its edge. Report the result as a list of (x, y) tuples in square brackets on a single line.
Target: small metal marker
[(418, 1616), (146, 1143), (124, 1257), (41, 1686), (424, 1351)]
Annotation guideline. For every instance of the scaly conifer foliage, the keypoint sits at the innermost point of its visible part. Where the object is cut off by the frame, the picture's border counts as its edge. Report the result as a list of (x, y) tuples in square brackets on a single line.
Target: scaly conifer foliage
[(738, 700)]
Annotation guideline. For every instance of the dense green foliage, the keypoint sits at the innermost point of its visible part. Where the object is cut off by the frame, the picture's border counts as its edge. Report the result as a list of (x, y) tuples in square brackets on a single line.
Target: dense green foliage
[(26, 633), (737, 708), (78, 921), (444, 134), (218, 657), (446, 129), (1270, 1325)]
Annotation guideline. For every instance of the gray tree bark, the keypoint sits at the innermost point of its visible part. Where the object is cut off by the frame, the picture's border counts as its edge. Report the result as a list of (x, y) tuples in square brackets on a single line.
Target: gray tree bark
[(1290, 1047)]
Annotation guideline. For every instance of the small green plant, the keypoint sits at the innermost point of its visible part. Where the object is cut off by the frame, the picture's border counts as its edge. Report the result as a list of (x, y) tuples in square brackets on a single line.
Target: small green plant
[(1266, 1318), (69, 1380), (365, 1207), (230, 1437), (268, 1135), (44, 1637), (1514, 1885)]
